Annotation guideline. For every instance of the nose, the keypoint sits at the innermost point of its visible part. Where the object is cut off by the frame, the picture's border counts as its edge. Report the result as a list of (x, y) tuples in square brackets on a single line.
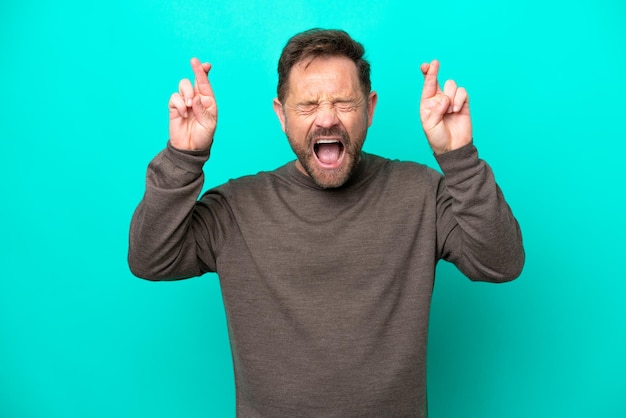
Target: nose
[(326, 116)]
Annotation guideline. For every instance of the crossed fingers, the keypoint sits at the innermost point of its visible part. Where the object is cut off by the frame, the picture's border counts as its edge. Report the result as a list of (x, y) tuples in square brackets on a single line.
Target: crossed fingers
[(188, 95), (452, 98)]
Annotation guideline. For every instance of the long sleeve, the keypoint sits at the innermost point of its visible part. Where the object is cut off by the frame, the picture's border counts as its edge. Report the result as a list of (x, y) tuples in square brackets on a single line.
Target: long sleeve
[(476, 228), (168, 231)]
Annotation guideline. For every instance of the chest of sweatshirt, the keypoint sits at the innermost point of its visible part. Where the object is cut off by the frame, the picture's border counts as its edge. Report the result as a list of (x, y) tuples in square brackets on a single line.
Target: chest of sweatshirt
[(381, 227)]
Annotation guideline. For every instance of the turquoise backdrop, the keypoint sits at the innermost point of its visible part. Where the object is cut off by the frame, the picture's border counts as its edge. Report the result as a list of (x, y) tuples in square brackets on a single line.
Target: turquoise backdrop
[(84, 89)]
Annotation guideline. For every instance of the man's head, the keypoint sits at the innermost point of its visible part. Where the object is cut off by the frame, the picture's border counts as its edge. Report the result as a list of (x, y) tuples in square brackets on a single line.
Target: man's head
[(324, 103), (319, 43)]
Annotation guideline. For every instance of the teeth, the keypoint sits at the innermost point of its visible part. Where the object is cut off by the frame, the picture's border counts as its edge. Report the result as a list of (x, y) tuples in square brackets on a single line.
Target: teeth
[(326, 141)]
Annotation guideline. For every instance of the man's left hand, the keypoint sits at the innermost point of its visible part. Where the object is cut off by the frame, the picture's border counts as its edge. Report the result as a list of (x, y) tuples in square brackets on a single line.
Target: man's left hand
[(445, 113)]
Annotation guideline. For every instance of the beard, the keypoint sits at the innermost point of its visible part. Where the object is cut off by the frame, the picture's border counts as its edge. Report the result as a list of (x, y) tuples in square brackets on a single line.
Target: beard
[(328, 178)]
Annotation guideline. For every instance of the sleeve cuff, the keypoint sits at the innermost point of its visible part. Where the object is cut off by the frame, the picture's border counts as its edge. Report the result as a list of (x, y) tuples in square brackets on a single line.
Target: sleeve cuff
[(191, 161), (459, 163)]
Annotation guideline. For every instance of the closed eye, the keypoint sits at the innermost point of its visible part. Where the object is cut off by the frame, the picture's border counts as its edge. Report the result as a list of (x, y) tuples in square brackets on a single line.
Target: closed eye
[(306, 108), (345, 106)]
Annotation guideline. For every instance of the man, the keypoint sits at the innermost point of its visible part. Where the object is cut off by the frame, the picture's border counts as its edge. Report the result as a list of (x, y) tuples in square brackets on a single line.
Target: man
[(327, 263)]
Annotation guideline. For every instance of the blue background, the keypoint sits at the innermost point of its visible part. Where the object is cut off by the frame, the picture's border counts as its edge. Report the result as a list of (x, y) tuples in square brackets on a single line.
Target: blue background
[(84, 90)]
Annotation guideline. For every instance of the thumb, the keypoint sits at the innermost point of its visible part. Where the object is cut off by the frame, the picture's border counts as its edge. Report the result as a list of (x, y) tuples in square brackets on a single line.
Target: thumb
[(434, 109), (200, 111), (443, 104)]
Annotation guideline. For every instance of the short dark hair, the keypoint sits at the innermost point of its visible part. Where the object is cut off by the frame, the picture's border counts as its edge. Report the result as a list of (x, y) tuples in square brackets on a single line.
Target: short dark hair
[(318, 43)]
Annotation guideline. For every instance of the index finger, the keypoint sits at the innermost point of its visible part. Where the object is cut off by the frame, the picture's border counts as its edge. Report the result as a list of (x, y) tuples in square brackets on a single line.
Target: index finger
[(201, 72), (431, 86)]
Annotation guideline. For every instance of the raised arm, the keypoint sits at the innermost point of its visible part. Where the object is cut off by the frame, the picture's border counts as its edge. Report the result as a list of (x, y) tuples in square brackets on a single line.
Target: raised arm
[(476, 228), (168, 224)]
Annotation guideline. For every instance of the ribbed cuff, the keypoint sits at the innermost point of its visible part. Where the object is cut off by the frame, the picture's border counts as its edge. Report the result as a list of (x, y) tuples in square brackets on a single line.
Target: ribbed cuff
[(191, 161), (459, 163)]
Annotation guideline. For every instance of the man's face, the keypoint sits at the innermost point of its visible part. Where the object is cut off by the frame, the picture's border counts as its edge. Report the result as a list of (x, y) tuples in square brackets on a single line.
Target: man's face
[(325, 116)]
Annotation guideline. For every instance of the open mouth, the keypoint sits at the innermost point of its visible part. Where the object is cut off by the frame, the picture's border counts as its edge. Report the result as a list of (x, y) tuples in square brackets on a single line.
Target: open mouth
[(329, 152)]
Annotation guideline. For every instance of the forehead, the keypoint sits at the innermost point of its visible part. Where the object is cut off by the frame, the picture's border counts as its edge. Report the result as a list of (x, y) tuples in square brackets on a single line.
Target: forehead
[(322, 77)]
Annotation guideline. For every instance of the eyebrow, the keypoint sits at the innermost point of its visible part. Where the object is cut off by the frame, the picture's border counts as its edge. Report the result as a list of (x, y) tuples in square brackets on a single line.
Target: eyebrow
[(308, 102), (338, 99)]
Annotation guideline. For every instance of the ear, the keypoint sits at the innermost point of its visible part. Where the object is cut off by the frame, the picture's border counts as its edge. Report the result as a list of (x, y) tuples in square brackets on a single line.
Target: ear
[(280, 112), (372, 99)]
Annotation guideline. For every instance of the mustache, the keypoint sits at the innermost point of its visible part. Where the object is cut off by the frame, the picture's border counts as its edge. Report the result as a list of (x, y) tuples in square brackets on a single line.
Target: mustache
[(333, 131)]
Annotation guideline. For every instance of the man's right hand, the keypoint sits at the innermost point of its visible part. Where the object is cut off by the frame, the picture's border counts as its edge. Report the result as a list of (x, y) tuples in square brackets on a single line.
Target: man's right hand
[(193, 111)]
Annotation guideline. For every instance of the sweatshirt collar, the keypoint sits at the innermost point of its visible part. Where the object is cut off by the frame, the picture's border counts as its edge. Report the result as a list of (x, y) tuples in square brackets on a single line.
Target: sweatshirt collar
[(359, 175)]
